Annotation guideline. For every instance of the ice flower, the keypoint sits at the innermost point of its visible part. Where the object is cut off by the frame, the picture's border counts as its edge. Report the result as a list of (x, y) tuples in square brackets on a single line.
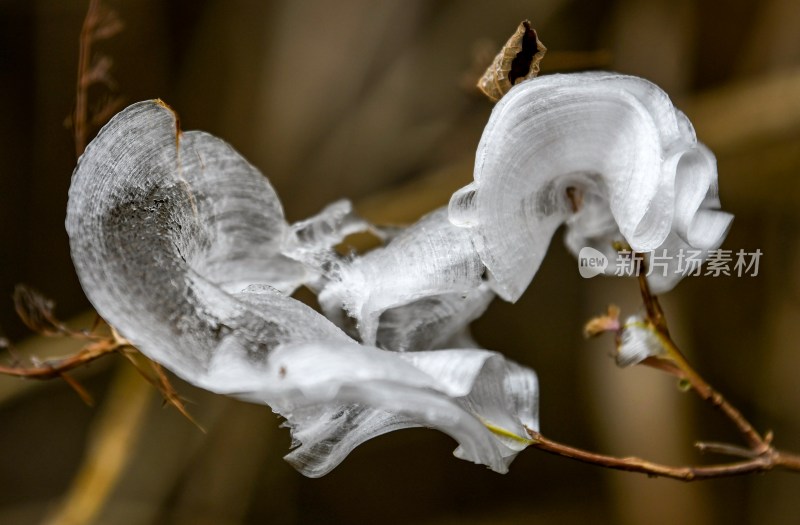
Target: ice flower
[(182, 246), (606, 153), (638, 341), (429, 276)]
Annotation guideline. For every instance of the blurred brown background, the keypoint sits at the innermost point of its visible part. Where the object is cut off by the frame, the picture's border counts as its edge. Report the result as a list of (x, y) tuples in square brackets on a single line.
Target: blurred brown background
[(370, 100)]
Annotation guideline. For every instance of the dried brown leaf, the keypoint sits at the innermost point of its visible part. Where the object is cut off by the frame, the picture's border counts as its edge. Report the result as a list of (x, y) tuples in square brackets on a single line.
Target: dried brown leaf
[(603, 323), (37, 312), (518, 60)]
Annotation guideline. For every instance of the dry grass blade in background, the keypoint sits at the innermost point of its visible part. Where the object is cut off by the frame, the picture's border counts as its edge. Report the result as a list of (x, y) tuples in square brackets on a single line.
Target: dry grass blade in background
[(100, 23), (108, 450)]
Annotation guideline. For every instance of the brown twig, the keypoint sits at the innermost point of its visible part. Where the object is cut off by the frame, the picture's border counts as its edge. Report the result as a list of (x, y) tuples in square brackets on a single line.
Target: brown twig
[(760, 456), (56, 368), (160, 381), (100, 23), (77, 388), (769, 460), (79, 122), (658, 322), (725, 449), (38, 313), (99, 347)]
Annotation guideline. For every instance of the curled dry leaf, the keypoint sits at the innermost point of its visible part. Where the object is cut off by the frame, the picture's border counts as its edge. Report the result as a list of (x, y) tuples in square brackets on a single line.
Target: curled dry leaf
[(518, 60)]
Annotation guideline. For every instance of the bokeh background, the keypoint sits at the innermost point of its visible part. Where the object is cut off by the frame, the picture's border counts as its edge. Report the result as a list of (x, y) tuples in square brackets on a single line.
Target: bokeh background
[(373, 100)]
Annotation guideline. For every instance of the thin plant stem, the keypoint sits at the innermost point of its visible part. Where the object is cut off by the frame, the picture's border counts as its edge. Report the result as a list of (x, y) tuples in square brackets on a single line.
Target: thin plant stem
[(772, 459), (761, 456), (53, 369), (658, 322), (81, 118)]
